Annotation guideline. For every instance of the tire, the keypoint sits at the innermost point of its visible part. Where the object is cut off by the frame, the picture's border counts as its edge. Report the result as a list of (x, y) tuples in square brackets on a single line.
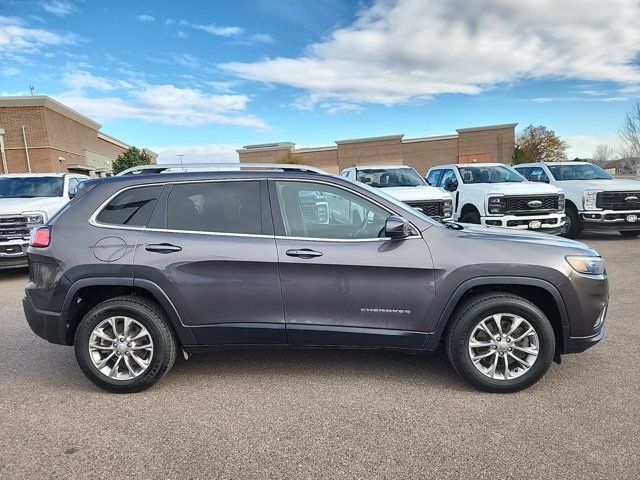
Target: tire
[(156, 351), (630, 233), (464, 324), (470, 217), (573, 226)]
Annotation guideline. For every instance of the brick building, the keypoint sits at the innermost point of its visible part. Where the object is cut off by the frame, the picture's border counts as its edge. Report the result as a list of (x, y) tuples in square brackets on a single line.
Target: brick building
[(492, 143), (39, 134)]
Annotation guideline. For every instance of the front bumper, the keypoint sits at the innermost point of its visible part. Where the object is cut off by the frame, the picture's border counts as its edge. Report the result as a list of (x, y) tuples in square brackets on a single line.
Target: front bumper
[(617, 220), (548, 223), (13, 253)]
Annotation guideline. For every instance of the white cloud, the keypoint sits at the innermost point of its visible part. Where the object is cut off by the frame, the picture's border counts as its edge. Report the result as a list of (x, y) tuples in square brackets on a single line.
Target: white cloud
[(59, 8), (215, 153), (220, 31), (165, 104), (582, 146), (9, 71), (400, 50), (18, 39), (146, 18)]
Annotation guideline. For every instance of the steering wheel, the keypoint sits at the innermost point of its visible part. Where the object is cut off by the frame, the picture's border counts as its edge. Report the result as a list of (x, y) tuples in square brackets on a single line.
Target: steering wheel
[(361, 227)]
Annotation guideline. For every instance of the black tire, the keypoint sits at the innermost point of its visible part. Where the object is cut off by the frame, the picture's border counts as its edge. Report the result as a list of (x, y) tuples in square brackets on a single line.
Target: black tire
[(573, 227), (147, 313), (479, 307), (471, 217), (630, 233)]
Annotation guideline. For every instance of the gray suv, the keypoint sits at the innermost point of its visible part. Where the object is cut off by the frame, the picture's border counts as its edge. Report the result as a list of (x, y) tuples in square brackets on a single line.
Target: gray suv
[(142, 266)]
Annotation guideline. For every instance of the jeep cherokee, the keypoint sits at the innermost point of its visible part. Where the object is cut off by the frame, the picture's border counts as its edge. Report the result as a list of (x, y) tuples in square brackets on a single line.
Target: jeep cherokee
[(140, 267)]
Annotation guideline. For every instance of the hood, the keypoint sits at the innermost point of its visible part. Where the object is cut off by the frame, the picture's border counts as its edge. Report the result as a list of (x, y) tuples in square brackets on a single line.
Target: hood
[(519, 188), (523, 236), (408, 194), (617, 184), (16, 206)]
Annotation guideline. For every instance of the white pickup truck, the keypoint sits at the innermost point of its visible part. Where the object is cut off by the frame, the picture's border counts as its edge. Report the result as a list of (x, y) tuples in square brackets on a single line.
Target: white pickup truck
[(595, 199), (405, 184), (28, 200), (495, 195)]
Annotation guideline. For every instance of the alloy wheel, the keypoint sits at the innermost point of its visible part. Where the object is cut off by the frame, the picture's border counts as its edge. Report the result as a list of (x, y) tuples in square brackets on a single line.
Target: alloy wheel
[(120, 348), (503, 346)]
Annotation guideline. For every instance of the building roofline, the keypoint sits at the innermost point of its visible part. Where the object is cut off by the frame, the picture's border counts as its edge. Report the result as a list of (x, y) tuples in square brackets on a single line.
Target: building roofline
[(315, 149), (487, 127), (115, 141), (51, 104), (370, 139), (431, 139)]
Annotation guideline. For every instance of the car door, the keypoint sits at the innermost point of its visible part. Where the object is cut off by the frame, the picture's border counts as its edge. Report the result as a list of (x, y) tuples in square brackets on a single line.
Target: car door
[(342, 284), (210, 248)]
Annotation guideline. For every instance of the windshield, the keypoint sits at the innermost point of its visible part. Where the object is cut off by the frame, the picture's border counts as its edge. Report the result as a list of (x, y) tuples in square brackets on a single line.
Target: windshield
[(30, 187), (581, 171), (390, 177), (490, 174)]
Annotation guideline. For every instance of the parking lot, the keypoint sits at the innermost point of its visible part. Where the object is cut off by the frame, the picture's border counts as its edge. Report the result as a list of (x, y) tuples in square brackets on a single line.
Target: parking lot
[(325, 414)]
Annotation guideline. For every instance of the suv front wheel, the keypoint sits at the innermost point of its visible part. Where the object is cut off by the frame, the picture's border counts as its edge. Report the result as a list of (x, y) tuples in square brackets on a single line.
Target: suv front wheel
[(125, 344), (500, 342)]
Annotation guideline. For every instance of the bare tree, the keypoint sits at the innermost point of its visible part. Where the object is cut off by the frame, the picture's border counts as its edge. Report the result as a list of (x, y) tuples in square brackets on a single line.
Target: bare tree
[(603, 153), (629, 135)]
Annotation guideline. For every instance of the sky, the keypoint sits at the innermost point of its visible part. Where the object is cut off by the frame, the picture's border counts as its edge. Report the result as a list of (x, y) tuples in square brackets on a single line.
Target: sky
[(205, 78)]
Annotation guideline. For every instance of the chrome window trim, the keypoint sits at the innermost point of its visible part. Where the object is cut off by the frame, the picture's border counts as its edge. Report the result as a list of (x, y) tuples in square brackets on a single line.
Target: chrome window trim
[(95, 223)]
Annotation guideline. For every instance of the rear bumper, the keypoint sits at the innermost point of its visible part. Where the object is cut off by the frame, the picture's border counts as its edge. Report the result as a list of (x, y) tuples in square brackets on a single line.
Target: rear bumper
[(48, 325), (616, 220)]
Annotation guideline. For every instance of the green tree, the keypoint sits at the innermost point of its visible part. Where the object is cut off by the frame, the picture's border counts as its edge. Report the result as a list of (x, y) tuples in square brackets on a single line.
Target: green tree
[(539, 144), (131, 158)]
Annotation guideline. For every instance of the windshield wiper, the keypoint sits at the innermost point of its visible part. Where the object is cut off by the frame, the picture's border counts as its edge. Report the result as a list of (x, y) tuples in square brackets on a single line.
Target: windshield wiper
[(453, 225)]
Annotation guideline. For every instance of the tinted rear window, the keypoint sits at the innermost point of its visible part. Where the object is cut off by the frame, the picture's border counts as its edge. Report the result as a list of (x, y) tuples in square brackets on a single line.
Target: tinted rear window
[(132, 207), (221, 207)]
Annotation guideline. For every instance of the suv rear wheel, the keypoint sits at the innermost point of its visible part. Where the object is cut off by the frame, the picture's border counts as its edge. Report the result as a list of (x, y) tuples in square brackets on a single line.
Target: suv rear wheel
[(125, 344), (500, 342)]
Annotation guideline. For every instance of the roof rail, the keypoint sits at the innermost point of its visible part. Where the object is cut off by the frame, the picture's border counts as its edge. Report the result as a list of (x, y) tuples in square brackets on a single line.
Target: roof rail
[(215, 167)]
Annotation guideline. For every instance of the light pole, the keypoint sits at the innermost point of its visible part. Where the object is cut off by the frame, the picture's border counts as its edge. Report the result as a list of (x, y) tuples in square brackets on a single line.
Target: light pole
[(180, 155)]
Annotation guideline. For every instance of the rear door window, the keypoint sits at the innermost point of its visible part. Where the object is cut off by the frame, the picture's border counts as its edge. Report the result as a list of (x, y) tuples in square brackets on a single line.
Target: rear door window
[(216, 207), (132, 207)]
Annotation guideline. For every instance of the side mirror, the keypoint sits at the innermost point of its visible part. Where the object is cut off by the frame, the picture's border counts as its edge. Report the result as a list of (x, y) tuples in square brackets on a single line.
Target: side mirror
[(397, 227), (450, 185), (73, 191)]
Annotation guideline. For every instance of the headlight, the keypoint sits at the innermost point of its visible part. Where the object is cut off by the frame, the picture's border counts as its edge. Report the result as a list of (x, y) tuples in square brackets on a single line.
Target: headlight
[(586, 264), (589, 199), (34, 218), (447, 208), (561, 202), (496, 205)]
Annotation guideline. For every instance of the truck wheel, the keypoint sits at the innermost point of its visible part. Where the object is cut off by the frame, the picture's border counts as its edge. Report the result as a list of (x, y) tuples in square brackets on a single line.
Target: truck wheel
[(470, 217), (630, 233), (500, 342), (125, 344), (573, 225)]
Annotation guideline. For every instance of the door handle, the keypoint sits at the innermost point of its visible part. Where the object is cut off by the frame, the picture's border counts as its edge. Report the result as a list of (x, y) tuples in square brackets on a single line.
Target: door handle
[(162, 248), (304, 253)]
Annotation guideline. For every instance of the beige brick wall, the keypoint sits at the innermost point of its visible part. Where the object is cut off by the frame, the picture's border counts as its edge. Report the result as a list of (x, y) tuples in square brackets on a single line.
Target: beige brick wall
[(50, 136), (422, 155), (375, 151)]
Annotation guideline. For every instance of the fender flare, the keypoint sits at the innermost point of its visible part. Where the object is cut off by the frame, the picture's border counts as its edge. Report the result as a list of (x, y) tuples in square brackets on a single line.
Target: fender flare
[(434, 338), (182, 331)]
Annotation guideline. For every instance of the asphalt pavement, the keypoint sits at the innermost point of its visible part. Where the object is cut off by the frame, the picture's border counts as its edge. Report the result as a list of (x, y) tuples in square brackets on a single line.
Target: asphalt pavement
[(325, 414)]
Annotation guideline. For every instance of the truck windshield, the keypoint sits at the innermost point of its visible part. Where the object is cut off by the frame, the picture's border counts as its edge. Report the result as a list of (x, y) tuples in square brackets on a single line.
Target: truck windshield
[(390, 177), (490, 174), (581, 171), (31, 187)]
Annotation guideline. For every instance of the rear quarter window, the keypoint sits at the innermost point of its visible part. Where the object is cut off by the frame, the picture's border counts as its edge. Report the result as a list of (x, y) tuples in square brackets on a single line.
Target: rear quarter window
[(132, 207)]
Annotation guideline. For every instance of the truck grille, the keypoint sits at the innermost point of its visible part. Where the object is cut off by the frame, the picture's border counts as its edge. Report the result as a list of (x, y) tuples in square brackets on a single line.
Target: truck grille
[(14, 227), (430, 209), (618, 200), (521, 205)]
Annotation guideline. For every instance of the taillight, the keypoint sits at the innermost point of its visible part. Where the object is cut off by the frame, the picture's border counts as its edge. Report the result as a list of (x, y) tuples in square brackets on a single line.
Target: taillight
[(40, 237)]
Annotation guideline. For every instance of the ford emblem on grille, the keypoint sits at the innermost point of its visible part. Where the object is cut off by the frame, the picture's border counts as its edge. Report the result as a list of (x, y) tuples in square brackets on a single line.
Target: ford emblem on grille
[(535, 203), (631, 199)]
